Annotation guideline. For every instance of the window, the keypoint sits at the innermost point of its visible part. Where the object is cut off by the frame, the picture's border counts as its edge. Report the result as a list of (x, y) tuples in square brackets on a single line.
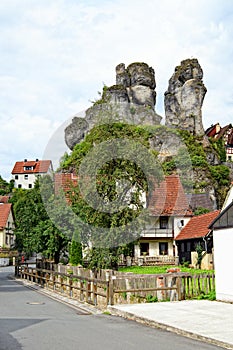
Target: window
[(29, 185), (28, 168), (163, 248), (26, 177), (7, 240), (182, 222), (163, 220), (144, 248), (188, 247), (19, 185), (16, 177)]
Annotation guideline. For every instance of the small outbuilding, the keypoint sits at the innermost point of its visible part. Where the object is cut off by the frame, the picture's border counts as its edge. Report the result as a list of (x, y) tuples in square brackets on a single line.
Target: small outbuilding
[(196, 232)]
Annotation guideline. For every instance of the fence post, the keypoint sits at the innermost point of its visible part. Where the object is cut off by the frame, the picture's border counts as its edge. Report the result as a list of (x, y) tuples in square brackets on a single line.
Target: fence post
[(61, 284), (178, 286), (88, 291), (110, 290), (95, 293), (17, 270), (47, 280), (71, 286), (81, 290)]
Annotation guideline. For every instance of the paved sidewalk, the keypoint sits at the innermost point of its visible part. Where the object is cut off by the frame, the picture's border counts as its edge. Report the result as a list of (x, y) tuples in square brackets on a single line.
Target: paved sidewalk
[(211, 321)]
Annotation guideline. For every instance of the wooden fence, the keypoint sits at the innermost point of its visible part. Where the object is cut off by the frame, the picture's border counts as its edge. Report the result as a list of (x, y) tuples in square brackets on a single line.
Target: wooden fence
[(109, 287)]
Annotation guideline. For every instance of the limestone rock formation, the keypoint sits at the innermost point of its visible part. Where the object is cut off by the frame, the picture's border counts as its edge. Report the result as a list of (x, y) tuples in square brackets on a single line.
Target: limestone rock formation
[(131, 100), (184, 97)]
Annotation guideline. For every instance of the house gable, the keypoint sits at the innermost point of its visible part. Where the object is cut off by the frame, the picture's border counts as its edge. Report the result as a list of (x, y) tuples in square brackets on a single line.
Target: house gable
[(224, 219), (6, 225), (5, 210)]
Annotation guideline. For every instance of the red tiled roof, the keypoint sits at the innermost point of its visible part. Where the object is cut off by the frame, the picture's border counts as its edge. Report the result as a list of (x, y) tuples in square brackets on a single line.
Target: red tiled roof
[(39, 166), (4, 214), (211, 131), (4, 199), (169, 199), (197, 226), (223, 131)]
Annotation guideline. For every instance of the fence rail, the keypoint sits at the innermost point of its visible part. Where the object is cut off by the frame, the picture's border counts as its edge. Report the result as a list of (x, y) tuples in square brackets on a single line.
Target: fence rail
[(109, 287)]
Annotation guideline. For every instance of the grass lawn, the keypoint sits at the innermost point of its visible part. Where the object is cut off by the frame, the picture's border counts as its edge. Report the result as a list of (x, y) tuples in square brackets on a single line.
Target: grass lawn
[(160, 269)]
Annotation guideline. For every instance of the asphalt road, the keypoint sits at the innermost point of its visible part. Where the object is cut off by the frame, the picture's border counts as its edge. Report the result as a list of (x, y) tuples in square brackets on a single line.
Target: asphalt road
[(30, 320)]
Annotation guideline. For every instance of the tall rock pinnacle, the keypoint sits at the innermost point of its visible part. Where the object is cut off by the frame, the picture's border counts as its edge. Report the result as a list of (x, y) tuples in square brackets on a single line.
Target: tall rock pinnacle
[(184, 97), (131, 100)]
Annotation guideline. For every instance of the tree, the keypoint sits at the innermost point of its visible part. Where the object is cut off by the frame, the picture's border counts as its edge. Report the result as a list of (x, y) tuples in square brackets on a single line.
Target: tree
[(75, 252), (5, 187), (35, 230), (115, 168), (201, 210)]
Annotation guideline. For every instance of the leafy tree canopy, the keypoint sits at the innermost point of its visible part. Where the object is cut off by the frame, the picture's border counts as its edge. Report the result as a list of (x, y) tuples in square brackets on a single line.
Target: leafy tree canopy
[(6, 187), (35, 231)]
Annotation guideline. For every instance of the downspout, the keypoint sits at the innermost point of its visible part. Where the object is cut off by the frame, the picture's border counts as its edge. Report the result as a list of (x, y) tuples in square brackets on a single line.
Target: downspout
[(205, 242)]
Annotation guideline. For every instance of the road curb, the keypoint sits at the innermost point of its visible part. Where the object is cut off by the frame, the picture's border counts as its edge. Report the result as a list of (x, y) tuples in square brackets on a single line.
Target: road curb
[(163, 326)]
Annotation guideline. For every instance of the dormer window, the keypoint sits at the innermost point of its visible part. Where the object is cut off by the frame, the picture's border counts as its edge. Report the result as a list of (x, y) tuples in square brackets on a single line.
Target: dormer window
[(28, 168)]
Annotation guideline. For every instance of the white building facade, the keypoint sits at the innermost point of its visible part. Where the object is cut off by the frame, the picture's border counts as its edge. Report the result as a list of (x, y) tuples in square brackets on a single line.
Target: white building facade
[(223, 249), (26, 172)]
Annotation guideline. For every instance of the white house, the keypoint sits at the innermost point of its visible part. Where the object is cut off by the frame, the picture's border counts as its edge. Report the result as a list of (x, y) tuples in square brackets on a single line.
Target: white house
[(26, 172), (169, 213), (223, 245), (7, 237)]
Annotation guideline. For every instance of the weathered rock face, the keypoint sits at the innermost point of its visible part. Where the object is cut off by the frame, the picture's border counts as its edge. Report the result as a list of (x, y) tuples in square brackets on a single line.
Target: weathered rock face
[(132, 100), (138, 80), (76, 131), (166, 143), (184, 97)]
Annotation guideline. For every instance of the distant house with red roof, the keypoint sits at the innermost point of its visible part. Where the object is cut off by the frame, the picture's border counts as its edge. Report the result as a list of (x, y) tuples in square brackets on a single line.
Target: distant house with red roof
[(196, 232), (226, 133), (6, 225), (169, 212), (26, 172), (229, 147)]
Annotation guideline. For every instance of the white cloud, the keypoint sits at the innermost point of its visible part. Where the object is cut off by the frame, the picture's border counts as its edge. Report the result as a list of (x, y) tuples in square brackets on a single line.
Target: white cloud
[(55, 56)]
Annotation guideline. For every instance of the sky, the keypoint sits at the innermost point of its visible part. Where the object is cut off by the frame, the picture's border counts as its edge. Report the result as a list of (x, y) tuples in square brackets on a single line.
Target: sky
[(57, 54)]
